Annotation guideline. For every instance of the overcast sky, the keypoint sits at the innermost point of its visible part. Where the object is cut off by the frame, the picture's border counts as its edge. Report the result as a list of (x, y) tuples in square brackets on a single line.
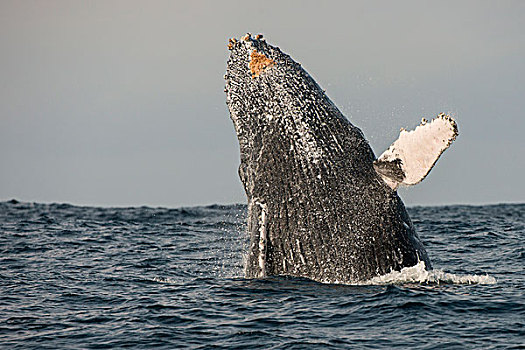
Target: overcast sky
[(121, 102)]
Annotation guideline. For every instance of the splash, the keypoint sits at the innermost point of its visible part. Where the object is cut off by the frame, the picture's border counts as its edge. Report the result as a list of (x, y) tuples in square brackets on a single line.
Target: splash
[(418, 274), (165, 280)]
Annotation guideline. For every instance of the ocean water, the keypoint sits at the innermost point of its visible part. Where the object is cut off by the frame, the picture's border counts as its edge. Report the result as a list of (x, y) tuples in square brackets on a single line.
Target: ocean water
[(86, 277)]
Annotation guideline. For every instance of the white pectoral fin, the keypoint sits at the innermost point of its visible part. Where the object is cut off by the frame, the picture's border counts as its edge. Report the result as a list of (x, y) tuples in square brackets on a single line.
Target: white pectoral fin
[(411, 157)]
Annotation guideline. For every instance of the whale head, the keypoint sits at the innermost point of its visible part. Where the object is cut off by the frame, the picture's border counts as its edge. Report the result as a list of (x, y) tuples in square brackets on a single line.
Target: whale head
[(274, 101)]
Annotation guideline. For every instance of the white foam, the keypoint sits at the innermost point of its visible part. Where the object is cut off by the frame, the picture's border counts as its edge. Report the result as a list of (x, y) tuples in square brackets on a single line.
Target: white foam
[(418, 274)]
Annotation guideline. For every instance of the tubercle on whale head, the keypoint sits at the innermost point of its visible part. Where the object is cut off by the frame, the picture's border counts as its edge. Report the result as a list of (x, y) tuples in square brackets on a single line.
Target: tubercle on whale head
[(246, 38)]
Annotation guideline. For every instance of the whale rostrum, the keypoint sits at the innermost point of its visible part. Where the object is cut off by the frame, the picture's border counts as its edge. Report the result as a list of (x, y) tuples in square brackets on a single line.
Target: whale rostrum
[(320, 205)]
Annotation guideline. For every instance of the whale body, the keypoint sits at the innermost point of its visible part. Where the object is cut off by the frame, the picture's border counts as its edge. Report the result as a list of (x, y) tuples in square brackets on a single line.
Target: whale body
[(321, 205)]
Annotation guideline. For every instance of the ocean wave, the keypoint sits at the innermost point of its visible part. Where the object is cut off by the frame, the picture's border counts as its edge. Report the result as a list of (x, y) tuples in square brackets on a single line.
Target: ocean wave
[(418, 274)]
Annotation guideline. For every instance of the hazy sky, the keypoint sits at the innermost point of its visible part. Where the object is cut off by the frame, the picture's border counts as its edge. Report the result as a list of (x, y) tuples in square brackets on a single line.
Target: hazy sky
[(122, 102)]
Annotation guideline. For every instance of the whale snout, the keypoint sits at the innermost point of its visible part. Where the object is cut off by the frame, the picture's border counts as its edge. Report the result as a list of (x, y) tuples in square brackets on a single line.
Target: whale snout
[(250, 56), (273, 100), (251, 81), (262, 82)]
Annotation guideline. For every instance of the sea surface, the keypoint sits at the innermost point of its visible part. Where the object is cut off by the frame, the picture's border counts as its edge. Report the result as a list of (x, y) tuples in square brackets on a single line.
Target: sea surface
[(87, 277)]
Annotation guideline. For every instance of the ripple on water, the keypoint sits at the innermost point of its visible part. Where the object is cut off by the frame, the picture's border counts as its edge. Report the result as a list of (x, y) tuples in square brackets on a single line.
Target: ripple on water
[(82, 277)]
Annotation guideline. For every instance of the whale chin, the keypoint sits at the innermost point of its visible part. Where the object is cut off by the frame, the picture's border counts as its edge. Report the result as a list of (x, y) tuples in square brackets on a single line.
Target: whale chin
[(320, 204)]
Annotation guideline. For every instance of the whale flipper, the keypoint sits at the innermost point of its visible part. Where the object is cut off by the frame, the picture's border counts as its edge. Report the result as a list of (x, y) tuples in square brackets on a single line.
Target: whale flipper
[(411, 157)]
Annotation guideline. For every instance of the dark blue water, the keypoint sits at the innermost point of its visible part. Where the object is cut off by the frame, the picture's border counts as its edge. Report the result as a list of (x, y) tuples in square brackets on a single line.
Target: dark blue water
[(83, 277)]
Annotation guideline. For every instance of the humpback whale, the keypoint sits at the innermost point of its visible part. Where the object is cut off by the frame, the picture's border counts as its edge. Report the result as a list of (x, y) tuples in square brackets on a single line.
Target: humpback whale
[(320, 204)]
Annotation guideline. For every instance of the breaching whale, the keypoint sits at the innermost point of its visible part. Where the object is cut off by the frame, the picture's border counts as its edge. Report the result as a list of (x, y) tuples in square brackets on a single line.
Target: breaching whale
[(320, 204)]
